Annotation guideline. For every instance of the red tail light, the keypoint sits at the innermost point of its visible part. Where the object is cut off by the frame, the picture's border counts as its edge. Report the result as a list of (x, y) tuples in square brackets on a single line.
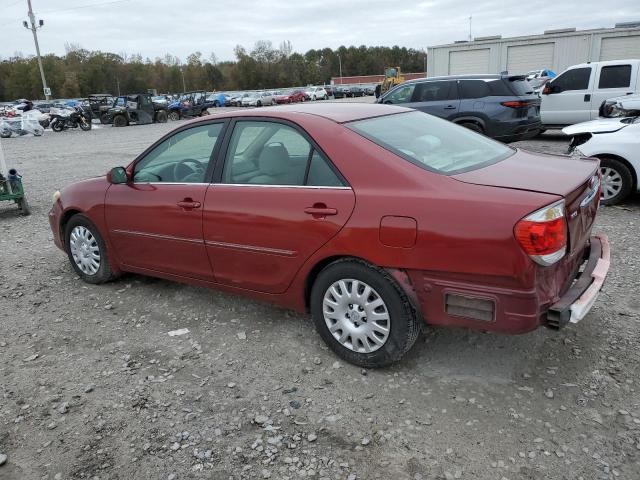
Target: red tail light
[(517, 104), (543, 234)]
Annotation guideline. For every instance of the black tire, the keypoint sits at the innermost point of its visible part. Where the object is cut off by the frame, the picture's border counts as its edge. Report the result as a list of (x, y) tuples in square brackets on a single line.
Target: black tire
[(540, 132), (216, 103), (161, 116), (473, 127), (104, 119), (24, 207), (174, 115), (627, 179), (57, 126), (120, 121), (85, 125), (105, 272), (404, 325), (5, 134)]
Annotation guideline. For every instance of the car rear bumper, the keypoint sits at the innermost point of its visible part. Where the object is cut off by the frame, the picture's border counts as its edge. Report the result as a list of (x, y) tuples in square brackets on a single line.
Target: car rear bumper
[(462, 302), (516, 131), (578, 300)]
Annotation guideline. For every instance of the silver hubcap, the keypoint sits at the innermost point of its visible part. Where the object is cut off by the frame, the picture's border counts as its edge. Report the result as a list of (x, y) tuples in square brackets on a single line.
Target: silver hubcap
[(85, 250), (356, 315), (611, 183)]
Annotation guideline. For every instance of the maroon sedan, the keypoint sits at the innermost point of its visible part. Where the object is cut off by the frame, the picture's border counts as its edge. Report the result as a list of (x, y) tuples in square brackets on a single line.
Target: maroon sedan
[(379, 220)]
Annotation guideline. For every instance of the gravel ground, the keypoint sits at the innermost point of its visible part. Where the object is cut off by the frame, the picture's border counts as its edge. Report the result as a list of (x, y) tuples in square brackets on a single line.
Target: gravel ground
[(94, 388)]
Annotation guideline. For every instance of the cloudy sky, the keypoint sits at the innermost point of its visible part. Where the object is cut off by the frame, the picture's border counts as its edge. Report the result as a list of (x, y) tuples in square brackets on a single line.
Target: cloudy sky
[(156, 27)]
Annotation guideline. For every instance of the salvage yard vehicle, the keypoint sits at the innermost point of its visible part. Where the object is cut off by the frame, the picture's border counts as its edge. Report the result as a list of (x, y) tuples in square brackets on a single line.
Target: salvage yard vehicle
[(21, 125), (616, 142), (190, 104), (259, 99), (136, 108), (502, 107), (99, 104), (316, 93), (380, 220), (576, 94), (69, 117)]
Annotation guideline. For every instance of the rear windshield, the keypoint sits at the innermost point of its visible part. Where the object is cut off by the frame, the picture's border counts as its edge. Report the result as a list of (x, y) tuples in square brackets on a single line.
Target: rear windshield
[(432, 143), (520, 86)]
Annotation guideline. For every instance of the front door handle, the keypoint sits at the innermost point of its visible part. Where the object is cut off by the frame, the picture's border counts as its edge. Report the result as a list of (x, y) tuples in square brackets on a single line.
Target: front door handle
[(189, 204), (320, 210), (449, 107), (587, 97)]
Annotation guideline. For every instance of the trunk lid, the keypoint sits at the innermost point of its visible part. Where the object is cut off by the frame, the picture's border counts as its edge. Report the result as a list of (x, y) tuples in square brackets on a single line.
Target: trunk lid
[(569, 177)]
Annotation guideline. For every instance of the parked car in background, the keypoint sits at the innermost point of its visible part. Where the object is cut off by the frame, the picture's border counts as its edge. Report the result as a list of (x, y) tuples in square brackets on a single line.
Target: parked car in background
[(576, 94), (259, 99), (418, 222), (341, 91), (163, 99), (44, 107), (615, 140), (316, 93), (216, 99), (297, 96), (329, 89), (502, 107), (538, 78), (356, 91), (236, 99), (369, 89)]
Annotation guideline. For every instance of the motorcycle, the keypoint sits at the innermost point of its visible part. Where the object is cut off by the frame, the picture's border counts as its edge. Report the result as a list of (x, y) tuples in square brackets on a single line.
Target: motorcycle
[(65, 118), (20, 125)]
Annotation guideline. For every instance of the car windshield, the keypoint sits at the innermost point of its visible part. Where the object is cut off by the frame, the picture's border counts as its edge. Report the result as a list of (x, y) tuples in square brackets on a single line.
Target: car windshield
[(432, 143)]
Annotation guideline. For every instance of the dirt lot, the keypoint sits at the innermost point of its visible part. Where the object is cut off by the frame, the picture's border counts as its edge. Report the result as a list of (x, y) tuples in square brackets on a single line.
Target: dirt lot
[(93, 387)]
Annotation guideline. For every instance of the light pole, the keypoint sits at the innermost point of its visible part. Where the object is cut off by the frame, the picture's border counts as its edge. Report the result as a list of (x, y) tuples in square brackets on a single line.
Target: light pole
[(340, 64), (184, 85), (32, 19)]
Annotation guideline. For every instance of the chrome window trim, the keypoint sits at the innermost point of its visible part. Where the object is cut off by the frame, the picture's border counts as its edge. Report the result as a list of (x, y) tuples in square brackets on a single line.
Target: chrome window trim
[(170, 183), (314, 187)]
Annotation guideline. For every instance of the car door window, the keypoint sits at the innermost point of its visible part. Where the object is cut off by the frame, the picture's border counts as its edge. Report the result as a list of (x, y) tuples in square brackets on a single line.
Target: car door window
[(574, 79), (401, 94), (271, 153), (181, 158), (474, 89), (434, 92), (615, 76)]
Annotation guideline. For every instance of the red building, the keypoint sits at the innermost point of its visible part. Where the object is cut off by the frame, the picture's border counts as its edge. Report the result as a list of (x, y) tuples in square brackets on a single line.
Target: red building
[(372, 78)]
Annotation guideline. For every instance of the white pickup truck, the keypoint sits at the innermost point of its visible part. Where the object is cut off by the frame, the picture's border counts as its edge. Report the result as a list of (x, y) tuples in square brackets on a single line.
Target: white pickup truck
[(576, 94)]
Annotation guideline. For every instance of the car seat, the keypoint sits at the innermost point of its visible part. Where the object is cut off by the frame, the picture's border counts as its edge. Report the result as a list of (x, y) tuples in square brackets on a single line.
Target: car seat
[(274, 166)]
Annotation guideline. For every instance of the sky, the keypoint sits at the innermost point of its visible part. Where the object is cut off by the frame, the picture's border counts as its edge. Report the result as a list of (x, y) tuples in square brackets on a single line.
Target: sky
[(154, 28)]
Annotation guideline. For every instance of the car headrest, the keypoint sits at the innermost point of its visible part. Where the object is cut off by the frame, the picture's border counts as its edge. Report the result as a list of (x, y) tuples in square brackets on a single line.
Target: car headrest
[(273, 160)]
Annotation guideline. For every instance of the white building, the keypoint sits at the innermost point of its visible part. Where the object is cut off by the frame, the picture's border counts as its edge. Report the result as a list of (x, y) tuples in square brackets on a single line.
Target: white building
[(555, 49)]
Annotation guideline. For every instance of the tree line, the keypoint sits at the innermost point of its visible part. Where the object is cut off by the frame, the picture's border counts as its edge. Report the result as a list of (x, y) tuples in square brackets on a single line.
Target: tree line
[(80, 72)]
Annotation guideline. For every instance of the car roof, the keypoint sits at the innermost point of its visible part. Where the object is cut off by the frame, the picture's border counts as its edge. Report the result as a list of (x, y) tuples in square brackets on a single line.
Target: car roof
[(336, 112), (484, 76)]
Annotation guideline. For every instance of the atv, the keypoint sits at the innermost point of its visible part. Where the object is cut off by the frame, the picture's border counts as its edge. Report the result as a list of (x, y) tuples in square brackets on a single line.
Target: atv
[(99, 105), (136, 108), (190, 104)]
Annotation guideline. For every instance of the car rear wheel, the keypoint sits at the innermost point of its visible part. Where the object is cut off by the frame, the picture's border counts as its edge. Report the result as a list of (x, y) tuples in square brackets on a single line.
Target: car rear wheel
[(362, 314), (87, 251), (119, 121), (161, 116), (617, 181), (173, 116), (473, 127)]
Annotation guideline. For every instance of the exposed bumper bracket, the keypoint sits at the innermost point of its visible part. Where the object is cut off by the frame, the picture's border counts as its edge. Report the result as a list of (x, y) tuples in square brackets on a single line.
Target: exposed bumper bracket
[(578, 300)]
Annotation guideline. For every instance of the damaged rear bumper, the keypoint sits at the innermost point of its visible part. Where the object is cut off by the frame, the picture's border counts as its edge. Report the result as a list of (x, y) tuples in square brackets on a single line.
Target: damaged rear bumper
[(578, 300)]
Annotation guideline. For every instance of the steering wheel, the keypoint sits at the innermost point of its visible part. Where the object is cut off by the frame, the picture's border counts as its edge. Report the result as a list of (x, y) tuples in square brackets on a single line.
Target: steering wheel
[(182, 170)]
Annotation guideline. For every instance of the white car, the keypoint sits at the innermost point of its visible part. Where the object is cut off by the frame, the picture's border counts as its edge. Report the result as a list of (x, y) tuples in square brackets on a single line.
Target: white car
[(258, 99), (616, 142), (316, 93)]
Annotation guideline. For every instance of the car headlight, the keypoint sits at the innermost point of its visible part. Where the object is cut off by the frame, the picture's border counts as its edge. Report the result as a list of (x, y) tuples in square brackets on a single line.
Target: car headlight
[(56, 196)]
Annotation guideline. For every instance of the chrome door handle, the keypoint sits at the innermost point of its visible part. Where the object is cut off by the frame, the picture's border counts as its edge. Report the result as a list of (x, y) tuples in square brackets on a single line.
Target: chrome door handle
[(188, 204)]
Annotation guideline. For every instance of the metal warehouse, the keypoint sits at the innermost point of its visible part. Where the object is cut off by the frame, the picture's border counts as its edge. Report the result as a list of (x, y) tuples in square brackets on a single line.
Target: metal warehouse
[(555, 49)]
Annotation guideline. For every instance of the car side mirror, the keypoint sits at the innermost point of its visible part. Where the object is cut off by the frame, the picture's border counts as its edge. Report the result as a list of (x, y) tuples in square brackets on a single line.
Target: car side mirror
[(548, 89), (118, 175)]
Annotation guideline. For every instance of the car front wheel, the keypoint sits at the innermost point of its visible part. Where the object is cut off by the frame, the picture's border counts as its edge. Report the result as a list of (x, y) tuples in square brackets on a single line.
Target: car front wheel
[(617, 181), (362, 314), (87, 251)]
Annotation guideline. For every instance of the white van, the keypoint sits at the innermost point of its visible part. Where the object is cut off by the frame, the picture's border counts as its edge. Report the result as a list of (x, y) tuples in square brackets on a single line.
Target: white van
[(576, 94)]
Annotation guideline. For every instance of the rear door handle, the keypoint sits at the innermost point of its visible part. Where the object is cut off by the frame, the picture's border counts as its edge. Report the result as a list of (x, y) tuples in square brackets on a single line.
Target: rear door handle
[(189, 204), (449, 107), (320, 210), (587, 97)]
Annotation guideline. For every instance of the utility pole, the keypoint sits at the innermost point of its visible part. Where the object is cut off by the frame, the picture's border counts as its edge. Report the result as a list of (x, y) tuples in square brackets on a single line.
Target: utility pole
[(340, 64), (470, 37), (184, 85), (32, 19)]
